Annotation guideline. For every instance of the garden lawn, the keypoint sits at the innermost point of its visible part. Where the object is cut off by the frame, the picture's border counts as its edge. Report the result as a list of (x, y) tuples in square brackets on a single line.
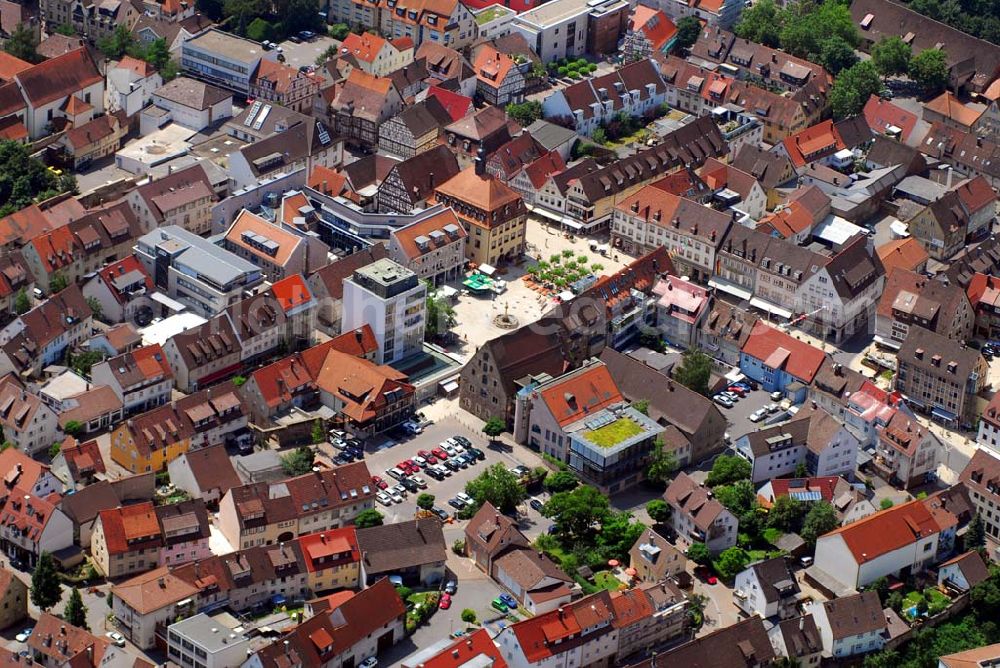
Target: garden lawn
[(489, 15), (607, 580), (612, 434), (936, 602)]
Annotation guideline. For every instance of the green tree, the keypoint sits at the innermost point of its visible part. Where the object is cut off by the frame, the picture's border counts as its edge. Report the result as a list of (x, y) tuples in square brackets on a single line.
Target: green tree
[(851, 90), (728, 469), (440, 315), (786, 514), (836, 55), (694, 371), (297, 462), (238, 381), (469, 616), (619, 532), (806, 25), (242, 12), (525, 113), (425, 501), (95, 307), (688, 29), (886, 504), (658, 511), (891, 56), (929, 69), (699, 554), (739, 497), (560, 481), (642, 405), (498, 486), (801, 470), (58, 282), (260, 30), (821, 519), (599, 136), (731, 561), (975, 535), (298, 15), (23, 179), (494, 427), (76, 612), (54, 449), (65, 29), (339, 31), (318, 433), (881, 587), (45, 589), (22, 44), (577, 514), (662, 464), (118, 43), (761, 23), (83, 362), (368, 518), (157, 54), (22, 304)]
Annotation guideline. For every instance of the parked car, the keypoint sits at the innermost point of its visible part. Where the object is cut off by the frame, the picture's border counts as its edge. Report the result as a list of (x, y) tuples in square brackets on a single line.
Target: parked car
[(393, 494), (508, 600), (448, 448), (772, 408), (498, 604), (400, 490), (445, 602), (409, 485), (451, 587), (776, 396), (117, 639), (383, 498), (306, 35), (427, 456), (738, 390), (421, 462), (456, 503), (464, 441), (452, 465), (536, 504), (468, 500), (477, 453), (723, 401), (24, 635), (432, 472), (370, 662), (418, 481), (395, 473), (441, 513), (440, 453), (379, 482), (758, 415)]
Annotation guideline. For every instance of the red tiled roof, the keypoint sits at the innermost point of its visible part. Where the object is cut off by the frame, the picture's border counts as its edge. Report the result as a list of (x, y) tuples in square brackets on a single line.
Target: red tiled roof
[(326, 180), (580, 394), (330, 549), (777, 349), (83, 458), (908, 254), (139, 67), (492, 67), (58, 77), (949, 106), (880, 114), (466, 649), (10, 66), (887, 530), (825, 485), (13, 129), (813, 142), (457, 106), (793, 219), (654, 24), (120, 268), (976, 194), (365, 47), (407, 236), (27, 515), (291, 291), (130, 528)]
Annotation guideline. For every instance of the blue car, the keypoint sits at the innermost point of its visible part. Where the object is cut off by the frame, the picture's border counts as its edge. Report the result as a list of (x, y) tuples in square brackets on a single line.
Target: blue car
[(509, 601)]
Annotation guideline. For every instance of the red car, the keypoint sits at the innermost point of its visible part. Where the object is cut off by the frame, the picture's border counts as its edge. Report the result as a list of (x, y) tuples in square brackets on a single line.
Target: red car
[(440, 454), (738, 389), (404, 466), (445, 602), (428, 456), (706, 575), (378, 482), (414, 467)]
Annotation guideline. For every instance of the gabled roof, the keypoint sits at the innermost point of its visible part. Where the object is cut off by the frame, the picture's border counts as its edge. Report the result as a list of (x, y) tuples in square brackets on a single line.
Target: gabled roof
[(58, 642), (856, 615), (906, 254), (881, 114), (457, 106), (694, 500), (154, 590), (769, 168), (779, 350), (10, 66), (971, 565), (182, 419), (424, 117), (493, 532), (485, 192), (394, 547), (212, 469), (476, 648), (365, 47), (130, 528), (445, 222), (82, 458), (886, 531), (26, 515), (256, 236), (744, 643), (580, 393), (493, 67), (59, 77), (424, 172), (654, 24), (191, 93)]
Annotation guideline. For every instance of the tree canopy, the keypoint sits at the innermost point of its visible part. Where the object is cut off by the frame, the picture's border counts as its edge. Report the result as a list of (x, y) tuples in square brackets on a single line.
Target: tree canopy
[(22, 44), (803, 29), (297, 462), (851, 90), (368, 518), (577, 513), (821, 519), (76, 612), (45, 589), (891, 56), (24, 179), (688, 29), (694, 371), (728, 469), (929, 69), (525, 113), (498, 486), (662, 464)]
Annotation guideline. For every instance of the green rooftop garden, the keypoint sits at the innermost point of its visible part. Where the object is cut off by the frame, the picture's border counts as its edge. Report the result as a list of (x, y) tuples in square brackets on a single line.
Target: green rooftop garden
[(613, 433), (489, 14)]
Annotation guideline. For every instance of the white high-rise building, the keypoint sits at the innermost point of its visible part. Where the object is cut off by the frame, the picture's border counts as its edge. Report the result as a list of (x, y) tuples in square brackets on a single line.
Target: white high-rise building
[(392, 300)]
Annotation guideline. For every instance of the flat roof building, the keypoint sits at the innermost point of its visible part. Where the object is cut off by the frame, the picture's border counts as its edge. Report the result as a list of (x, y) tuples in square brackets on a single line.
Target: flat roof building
[(222, 59)]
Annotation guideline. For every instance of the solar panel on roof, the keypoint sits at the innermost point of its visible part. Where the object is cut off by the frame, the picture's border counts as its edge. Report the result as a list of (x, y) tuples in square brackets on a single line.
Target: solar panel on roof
[(806, 496)]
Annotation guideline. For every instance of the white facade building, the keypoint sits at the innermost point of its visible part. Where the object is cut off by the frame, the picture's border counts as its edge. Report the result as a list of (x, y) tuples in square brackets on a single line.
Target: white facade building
[(392, 300)]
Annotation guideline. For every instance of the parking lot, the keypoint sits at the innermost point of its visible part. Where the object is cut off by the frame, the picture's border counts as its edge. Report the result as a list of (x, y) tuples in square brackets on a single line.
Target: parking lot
[(306, 53), (739, 415)]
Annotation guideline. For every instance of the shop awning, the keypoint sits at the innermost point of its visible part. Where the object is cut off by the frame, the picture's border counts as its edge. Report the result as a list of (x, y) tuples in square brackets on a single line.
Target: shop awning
[(730, 288), (773, 309), (942, 414)]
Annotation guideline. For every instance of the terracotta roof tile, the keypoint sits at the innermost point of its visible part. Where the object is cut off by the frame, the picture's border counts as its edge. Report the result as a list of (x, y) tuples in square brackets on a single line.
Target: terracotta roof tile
[(780, 350), (886, 531)]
